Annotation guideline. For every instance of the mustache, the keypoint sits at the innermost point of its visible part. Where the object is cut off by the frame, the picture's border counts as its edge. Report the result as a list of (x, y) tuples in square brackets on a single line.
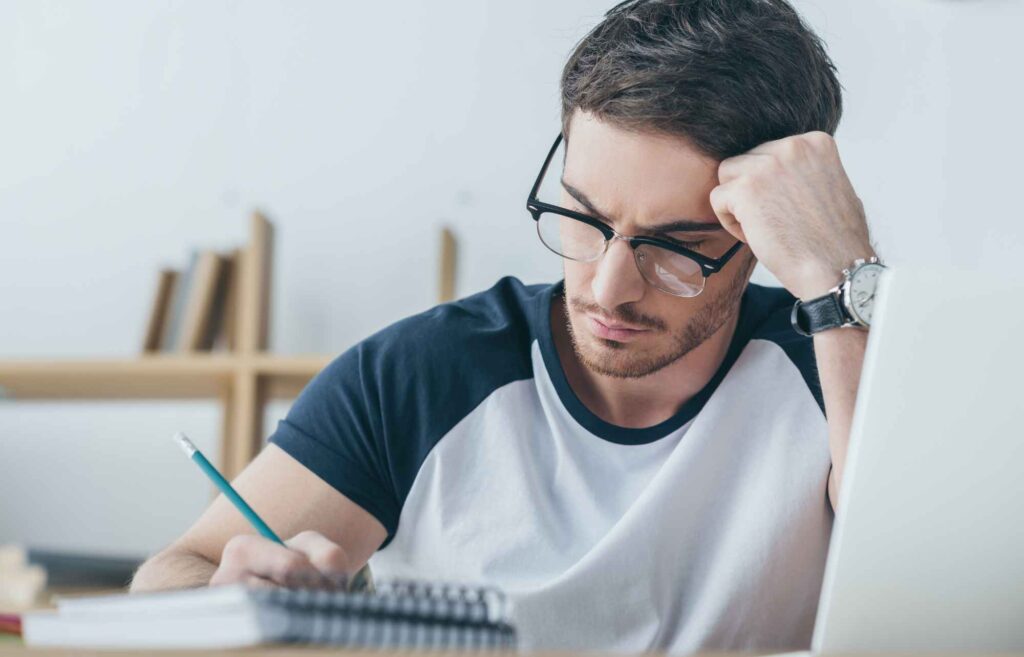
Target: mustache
[(626, 313)]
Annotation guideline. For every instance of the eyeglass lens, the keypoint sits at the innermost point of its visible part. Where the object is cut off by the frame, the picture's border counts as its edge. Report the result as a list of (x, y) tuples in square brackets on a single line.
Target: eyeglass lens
[(666, 270)]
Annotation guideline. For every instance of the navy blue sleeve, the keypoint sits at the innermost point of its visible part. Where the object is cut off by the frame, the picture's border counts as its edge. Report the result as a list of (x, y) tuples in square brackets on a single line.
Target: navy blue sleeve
[(774, 306), (334, 428), (366, 422)]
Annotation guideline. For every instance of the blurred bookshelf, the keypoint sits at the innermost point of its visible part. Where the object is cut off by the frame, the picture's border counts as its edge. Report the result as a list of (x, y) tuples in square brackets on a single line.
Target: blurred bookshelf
[(243, 376)]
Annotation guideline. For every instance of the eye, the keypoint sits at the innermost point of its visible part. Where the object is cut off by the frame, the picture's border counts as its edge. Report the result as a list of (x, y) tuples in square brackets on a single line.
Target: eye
[(678, 238), (693, 246)]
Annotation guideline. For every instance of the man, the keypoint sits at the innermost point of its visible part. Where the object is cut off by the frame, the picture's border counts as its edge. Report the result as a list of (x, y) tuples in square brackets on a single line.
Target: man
[(640, 455)]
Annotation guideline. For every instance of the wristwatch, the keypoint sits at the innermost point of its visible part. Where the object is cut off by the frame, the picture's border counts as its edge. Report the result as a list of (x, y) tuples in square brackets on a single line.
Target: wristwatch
[(848, 304)]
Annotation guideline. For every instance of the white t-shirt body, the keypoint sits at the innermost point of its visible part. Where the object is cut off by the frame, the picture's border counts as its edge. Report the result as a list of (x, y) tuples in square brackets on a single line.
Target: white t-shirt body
[(458, 430)]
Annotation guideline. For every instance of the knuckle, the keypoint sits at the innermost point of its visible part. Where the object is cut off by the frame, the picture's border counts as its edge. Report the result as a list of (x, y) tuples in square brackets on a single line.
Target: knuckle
[(304, 540), (717, 198), (236, 548), (333, 558), (821, 141), (789, 147), (329, 559)]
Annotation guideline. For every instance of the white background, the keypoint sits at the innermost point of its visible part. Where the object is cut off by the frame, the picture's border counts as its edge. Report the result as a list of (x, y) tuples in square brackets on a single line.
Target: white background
[(133, 132)]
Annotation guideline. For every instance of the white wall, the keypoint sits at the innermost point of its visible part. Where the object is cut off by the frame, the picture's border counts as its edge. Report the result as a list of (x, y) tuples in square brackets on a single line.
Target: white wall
[(131, 132)]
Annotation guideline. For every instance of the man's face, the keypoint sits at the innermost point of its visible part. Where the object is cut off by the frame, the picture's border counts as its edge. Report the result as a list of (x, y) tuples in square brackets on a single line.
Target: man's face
[(620, 325)]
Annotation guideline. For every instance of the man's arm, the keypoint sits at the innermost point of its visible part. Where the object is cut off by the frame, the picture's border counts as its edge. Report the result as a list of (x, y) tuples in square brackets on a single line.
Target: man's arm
[(791, 201), (175, 567), (330, 532), (840, 355)]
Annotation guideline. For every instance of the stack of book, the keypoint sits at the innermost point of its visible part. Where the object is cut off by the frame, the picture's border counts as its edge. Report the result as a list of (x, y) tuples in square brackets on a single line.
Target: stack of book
[(21, 582), (194, 308)]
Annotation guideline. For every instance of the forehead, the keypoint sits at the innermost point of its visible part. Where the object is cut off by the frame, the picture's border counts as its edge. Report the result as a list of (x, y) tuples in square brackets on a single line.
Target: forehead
[(635, 177)]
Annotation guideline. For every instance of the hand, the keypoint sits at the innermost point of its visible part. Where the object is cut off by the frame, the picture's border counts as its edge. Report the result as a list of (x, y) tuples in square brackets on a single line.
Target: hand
[(309, 561), (791, 202)]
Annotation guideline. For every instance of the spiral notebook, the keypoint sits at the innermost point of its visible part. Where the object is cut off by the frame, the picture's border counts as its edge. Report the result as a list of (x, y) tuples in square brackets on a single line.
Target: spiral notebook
[(398, 615)]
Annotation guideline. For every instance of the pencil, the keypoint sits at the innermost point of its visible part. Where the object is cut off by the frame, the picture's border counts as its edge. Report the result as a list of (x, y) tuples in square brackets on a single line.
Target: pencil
[(222, 483)]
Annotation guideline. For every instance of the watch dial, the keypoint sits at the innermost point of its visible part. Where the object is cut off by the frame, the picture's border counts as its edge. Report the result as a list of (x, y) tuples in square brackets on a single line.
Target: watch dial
[(862, 291)]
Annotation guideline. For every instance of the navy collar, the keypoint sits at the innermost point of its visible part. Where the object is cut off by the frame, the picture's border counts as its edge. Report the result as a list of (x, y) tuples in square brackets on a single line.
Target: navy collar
[(611, 432)]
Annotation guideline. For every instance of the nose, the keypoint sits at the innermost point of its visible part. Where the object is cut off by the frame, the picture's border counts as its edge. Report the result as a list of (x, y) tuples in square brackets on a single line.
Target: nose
[(617, 279)]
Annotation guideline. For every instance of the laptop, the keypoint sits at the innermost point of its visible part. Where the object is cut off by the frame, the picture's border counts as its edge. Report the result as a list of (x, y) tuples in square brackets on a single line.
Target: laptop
[(927, 550)]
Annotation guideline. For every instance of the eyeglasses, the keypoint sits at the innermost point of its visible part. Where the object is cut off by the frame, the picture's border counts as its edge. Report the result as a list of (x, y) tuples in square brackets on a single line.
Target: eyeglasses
[(669, 267)]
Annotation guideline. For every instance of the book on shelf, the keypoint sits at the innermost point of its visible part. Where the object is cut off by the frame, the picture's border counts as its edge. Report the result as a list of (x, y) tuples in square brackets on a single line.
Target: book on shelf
[(226, 314), (166, 280), (176, 308), (195, 309), (199, 304)]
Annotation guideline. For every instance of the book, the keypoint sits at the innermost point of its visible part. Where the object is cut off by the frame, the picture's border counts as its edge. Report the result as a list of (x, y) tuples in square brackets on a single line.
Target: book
[(66, 569), (21, 582), (397, 615), (158, 311), (176, 309), (199, 302), (226, 312)]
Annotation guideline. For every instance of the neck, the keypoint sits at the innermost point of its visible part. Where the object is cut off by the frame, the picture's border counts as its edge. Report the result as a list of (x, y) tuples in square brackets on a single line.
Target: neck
[(646, 401)]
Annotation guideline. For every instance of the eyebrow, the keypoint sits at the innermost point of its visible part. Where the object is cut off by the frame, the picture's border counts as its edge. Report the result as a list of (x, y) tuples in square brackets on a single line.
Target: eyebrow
[(673, 226)]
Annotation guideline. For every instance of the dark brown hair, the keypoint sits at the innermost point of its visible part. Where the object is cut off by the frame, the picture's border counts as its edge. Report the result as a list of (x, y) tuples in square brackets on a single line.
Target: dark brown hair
[(725, 74)]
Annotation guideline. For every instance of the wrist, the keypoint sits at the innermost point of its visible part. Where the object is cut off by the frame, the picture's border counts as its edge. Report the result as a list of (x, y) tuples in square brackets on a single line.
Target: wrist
[(849, 303), (820, 277)]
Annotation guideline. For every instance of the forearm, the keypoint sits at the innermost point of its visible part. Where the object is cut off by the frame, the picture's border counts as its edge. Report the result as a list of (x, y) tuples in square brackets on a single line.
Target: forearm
[(173, 568), (840, 356)]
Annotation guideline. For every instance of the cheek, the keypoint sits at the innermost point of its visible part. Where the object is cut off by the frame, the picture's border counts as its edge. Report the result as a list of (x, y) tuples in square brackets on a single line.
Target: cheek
[(577, 275)]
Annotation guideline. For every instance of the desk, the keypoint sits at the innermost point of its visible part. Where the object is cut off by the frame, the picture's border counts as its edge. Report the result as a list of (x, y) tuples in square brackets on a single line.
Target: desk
[(21, 651)]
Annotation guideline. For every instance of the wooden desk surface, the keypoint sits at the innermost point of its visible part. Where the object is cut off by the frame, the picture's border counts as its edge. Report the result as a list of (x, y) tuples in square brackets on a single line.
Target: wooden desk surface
[(22, 651)]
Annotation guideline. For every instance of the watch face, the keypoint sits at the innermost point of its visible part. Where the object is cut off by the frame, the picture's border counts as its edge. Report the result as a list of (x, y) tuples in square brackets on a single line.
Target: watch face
[(862, 291)]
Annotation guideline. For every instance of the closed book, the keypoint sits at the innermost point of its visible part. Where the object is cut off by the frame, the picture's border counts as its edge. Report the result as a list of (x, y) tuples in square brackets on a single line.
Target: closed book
[(176, 310), (199, 302), (398, 615), (226, 313), (158, 310)]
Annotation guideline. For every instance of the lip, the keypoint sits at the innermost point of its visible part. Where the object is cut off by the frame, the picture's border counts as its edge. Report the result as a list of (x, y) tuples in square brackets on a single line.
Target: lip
[(612, 331)]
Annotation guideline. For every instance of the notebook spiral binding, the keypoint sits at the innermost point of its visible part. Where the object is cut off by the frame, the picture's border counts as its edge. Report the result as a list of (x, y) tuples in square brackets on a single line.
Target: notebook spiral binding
[(403, 614)]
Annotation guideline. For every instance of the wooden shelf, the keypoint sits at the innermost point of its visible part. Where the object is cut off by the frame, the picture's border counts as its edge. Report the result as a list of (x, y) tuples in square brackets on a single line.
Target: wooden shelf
[(199, 376), (242, 380)]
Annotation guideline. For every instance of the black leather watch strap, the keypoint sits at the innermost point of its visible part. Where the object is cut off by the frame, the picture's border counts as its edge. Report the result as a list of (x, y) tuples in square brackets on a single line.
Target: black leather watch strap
[(816, 315)]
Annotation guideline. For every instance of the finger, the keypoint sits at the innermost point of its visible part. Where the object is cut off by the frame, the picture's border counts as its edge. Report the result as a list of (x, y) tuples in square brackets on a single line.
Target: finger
[(722, 203), (309, 578), (238, 572), (257, 582), (326, 556), (732, 168), (255, 555)]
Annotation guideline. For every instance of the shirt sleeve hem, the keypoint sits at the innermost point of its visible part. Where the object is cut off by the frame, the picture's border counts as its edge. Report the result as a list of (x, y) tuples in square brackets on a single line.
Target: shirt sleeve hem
[(337, 472)]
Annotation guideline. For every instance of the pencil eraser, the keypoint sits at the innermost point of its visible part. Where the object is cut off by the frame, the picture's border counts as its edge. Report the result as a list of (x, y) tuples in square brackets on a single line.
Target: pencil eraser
[(185, 444)]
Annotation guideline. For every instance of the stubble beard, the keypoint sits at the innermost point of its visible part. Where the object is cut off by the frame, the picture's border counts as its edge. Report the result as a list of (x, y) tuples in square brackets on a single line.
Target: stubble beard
[(701, 327)]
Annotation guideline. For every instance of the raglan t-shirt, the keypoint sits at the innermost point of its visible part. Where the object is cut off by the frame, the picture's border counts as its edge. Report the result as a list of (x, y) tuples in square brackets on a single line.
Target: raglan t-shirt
[(457, 429)]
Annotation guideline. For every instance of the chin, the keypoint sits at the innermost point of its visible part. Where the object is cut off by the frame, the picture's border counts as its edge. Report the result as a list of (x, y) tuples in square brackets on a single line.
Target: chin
[(619, 360)]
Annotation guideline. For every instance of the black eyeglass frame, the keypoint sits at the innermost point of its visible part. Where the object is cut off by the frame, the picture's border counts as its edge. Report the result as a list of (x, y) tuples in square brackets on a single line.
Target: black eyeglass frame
[(536, 207)]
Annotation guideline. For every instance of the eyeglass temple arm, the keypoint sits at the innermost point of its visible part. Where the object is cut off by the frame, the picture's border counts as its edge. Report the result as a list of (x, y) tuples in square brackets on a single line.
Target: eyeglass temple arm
[(544, 169)]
